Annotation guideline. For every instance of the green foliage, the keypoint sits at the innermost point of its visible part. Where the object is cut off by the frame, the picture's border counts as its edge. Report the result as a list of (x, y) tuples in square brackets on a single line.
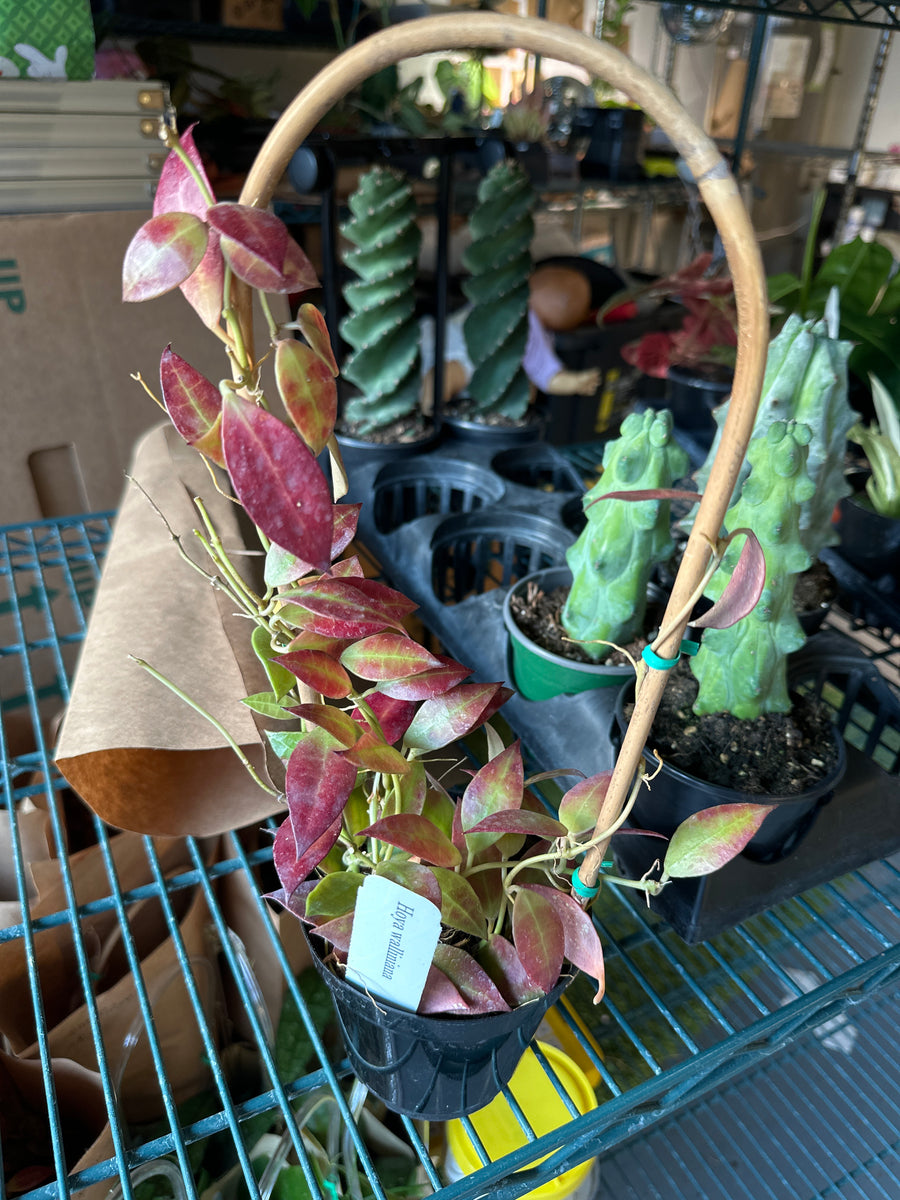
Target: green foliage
[(382, 328), (499, 260), (622, 543), (880, 443)]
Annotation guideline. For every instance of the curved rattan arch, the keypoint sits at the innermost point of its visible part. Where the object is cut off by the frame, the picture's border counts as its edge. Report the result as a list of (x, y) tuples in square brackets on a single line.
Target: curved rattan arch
[(457, 31)]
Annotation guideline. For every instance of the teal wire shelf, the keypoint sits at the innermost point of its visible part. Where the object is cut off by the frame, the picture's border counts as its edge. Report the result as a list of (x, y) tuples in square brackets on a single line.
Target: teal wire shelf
[(678, 1025)]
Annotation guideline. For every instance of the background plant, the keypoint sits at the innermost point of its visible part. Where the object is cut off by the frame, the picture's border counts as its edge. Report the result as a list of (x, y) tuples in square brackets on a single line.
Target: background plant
[(880, 442)]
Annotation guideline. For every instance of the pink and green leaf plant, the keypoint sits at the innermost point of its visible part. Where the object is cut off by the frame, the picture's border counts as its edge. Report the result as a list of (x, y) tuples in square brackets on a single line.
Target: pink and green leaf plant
[(357, 707)]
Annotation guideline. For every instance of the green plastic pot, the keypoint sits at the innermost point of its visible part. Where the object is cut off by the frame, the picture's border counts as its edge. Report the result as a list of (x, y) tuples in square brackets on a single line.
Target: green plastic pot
[(539, 674)]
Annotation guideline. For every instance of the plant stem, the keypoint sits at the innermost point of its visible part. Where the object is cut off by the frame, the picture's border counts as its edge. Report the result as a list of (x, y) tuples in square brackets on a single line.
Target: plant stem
[(217, 725), (267, 313), (248, 599), (809, 251)]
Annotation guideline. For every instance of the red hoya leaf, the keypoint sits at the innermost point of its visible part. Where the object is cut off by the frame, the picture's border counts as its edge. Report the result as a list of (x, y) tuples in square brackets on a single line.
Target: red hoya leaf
[(340, 608), (307, 640), (414, 877), (428, 684), (317, 670), (388, 598), (372, 754), (313, 327), (471, 981), (253, 241), (347, 568), (317, 784), (496, 787), (639, 494), (451, 716), (177, 189), (581, 942), (191, 400), (308, 392), (529, 823), (387, 656), (394, 716), (292, 866), (416, 835), (743, 590), (337, 932), (580, 806), (500, 697), (162, 254), (502, 963), (295, 902), (277, 480), (460, 907), (297, 272), (333, 720), (283, 568), (709, 839), (538, 937), (440, 996)]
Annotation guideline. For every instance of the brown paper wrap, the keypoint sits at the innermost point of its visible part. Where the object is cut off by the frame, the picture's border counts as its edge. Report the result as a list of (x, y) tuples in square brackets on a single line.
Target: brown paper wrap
[(137, 754)]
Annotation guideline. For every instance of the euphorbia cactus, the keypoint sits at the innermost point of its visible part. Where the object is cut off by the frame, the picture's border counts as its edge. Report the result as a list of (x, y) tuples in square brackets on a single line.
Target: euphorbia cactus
[(382, 328), (743, 669), (614, 557), (499, 259)]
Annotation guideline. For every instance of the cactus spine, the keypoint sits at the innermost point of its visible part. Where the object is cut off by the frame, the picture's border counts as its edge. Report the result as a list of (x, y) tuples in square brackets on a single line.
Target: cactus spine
[(806, 381), (499, 260), (382, 327), (613, 558), (743, 669)]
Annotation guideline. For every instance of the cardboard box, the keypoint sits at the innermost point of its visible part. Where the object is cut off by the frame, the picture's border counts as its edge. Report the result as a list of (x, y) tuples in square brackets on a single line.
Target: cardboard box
[(71, 411)]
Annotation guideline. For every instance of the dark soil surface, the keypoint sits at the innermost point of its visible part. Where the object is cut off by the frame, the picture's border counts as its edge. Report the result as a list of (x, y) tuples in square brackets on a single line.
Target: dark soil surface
[(461, 408), (407, 429), (814, 589), (537, 614)]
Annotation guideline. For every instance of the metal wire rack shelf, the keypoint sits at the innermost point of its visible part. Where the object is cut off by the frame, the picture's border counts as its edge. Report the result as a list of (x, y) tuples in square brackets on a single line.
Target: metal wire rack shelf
[(678, 1021)]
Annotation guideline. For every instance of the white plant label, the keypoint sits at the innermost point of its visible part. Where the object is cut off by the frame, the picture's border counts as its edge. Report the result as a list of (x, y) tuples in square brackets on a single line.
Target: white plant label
[(395, 933)]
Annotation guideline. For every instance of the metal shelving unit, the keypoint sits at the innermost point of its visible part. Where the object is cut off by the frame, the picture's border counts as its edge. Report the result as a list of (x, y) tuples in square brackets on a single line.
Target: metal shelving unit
[(679, 1023)]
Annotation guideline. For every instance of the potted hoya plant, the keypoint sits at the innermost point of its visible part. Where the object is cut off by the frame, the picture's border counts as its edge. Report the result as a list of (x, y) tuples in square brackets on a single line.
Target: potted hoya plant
[(443, 922)]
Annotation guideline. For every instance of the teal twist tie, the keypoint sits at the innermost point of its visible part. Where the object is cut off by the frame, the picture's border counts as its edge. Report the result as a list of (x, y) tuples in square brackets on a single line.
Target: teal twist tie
[(582, 889), (652, 659), (689, 648)]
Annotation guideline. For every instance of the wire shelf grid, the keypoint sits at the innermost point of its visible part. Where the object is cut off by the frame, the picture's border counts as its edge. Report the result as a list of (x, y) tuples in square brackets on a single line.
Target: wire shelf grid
[(678, 1021)]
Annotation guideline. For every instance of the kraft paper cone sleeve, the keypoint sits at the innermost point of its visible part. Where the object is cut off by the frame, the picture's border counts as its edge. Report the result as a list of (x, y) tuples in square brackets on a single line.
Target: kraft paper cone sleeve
[(141, 757)]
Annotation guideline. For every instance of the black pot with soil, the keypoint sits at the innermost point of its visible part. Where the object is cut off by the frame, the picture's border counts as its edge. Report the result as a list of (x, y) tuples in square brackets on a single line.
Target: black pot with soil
[(869, 542)]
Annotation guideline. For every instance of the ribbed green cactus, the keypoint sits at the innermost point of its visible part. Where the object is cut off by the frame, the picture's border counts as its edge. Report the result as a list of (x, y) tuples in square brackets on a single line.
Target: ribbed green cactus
[(499, 262), (382, 327), (614, 557), (743, 669), (806, 381)]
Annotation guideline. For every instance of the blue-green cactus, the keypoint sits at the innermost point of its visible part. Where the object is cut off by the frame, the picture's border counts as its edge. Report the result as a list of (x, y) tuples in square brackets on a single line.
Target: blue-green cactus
[(382, 328), (743, 669), (614, 557), (805, 381), (499, 262)]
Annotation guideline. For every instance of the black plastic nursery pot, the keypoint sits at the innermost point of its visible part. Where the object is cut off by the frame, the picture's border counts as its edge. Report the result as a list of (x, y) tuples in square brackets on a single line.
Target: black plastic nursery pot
[(406, 490), (539, 674), (869, 541), (466, 429), (476, 552), (433, 1068)]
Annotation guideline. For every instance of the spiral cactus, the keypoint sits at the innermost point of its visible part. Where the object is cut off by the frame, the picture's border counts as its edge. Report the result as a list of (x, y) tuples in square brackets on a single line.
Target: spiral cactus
[(382, 326), (616, 552), (499, 262)]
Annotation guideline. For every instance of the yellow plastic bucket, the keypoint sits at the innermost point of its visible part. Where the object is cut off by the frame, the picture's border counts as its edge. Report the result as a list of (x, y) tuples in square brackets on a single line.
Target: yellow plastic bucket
[(544, 1109)]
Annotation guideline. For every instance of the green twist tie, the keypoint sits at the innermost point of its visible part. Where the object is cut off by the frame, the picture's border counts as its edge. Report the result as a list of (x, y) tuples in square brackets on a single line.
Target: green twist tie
[(652, 659), (582, 889), (689, 648)]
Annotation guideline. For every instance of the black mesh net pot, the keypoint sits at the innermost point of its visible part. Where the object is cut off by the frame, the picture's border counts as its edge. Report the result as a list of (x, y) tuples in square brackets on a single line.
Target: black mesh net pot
[(475, 552), (437, 1067), (538, 467), (404, 491)]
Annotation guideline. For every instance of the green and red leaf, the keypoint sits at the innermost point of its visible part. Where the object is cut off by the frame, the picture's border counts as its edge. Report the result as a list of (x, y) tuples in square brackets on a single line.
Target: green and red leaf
[(337, 932), (277, 481), (581, 942), (409, 792), (333, 896), (317, 784), (193, 403), (538, 937), (531, 824), (342, 607), (254, 243), (283, 568), (313, 327), (393, 716), (471, 981), (339, 724), (428, 684), (370, 753), (162, 254), (499, 958), (414, 877), (709, 839), (387, 656), (297, 272), (580, 806), (743, 589), (416, 835), (308, 392), (293, 865), (318, 670), (451, 716), (460, 906), (496, 787)]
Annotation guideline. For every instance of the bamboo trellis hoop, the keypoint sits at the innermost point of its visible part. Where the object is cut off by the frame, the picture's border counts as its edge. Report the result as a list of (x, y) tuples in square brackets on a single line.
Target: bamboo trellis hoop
[(718, 188)]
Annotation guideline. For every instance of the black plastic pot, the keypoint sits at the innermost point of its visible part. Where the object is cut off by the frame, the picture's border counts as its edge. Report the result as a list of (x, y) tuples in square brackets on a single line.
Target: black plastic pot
[(434, 1068), (675, 795), (477, 552), (462, 429), (406, 490), (869, 541), (615, 137), (692, 393), (538, 467)]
